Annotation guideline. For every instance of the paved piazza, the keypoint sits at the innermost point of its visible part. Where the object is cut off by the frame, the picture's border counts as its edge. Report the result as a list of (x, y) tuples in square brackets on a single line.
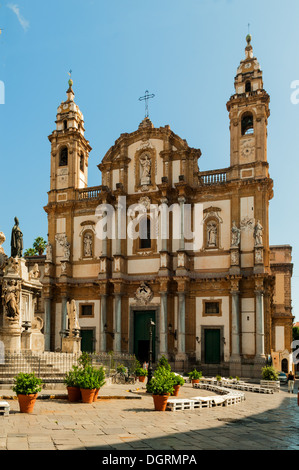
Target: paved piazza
[(129, 422)]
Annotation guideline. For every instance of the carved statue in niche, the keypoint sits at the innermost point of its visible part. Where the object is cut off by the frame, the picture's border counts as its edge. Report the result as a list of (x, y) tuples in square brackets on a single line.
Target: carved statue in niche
[(143, 294), (258, 234), (235, 235), (87, 245), (11, 298), (146, 166), (212, 234), (62, 240)]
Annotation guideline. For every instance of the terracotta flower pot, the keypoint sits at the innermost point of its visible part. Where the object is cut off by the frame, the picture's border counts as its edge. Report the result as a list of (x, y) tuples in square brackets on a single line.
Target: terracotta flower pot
[(87, 395), (74, 394), (142, 378), (176, 390), (160, 402), (195, 381), (96, 394), (27, 402)]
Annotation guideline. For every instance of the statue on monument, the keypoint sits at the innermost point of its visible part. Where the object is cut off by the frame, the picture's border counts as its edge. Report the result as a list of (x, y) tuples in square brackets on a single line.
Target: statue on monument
[(11, 297), (16, 241), (72, 316), (235, 235)]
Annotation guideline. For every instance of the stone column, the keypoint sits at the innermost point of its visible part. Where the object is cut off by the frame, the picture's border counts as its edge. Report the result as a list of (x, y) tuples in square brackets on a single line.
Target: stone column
[(47, 324), (181, 324), (235, 319), (64, 313), (182, 201), (103, 322), (260, 330), (163, 325), (117, 323)]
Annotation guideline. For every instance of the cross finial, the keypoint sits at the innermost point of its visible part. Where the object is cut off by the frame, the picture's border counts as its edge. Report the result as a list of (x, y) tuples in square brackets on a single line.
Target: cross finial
[(145, 98)]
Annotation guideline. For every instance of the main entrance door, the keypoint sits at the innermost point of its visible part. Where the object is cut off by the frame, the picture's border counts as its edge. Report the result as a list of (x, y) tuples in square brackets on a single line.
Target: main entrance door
[(212, 346), (142, 334), (87, 340)]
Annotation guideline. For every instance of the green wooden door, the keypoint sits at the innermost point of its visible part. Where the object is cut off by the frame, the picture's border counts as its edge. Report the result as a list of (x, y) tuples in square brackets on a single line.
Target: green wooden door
[(87, 340), (212, 346), (141, 334)]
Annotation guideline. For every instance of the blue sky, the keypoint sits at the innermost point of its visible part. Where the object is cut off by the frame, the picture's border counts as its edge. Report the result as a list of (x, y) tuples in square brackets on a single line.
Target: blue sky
[(185, 52)]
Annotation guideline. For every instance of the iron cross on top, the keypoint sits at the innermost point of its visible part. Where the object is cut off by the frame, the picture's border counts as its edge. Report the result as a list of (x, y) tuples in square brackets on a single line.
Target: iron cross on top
[(145, 98)]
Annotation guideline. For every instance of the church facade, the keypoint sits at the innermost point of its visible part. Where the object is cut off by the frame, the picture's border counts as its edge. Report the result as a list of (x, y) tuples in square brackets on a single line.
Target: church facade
[(161, 241)]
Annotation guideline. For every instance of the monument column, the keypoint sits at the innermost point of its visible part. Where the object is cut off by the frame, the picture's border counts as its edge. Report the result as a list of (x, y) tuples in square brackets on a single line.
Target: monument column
[(259, 311)]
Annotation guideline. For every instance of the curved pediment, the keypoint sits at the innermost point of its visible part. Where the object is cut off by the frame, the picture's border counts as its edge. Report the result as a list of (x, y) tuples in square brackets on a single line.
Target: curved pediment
[(139, 160)]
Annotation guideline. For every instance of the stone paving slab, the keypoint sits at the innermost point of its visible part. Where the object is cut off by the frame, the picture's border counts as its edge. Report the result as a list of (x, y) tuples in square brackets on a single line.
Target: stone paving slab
[(260, 422)]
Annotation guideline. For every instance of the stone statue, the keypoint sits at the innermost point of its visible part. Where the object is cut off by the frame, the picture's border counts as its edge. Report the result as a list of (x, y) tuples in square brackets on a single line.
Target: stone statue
[(87, 244), (143, 294), (2, 240), (16, 240), (236, 232), (72, 316), (212, 234), (11, 297), (49, 255), (258, 234), (146, 166), (35, 273)]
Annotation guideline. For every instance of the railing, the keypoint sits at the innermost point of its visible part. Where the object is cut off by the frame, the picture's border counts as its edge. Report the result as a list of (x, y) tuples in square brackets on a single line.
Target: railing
[(212, 177), (94, 192), (51, 367)]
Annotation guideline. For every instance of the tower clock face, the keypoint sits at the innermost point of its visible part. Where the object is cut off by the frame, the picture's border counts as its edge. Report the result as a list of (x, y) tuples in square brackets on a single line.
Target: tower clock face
[(247, 148)]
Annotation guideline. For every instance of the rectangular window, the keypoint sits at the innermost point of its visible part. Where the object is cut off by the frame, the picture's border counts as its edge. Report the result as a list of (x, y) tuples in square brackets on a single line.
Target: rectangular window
[(212, 307), (86, 310)]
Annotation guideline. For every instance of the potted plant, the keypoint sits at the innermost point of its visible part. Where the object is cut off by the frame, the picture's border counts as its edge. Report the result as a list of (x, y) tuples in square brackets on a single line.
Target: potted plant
[(88, 382), (270, 377), (71, 382), (27, 386), (163, 362), (194, 376), (218, 378), (178, 382), (141, 373), (161, 386), (100, 381)]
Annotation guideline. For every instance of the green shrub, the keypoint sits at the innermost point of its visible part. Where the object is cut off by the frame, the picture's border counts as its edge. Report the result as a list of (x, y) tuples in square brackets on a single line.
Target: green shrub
[(161, 383), (121, 369), (195, 374), (218, 378), (140, 372), (71, 377), (177, 379), (163, 362), (27, 384), (269, 373), (89, 377)]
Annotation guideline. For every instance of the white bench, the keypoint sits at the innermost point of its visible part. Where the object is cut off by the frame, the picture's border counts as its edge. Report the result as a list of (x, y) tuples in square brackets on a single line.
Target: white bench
[(4, 408)]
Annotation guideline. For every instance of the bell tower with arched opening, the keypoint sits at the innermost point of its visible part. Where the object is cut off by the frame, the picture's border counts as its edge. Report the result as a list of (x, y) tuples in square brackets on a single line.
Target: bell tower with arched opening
[(248, 113)]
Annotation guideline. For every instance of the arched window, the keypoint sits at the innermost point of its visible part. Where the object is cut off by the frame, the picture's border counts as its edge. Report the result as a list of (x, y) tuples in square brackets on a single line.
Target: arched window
[(65, 124), (145, 233), (82, 162), (63, 158), (247, 87), (247, 124)]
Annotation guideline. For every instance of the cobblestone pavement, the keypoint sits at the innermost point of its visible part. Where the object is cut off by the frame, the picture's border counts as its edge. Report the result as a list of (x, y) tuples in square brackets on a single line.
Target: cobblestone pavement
[(129, 422)]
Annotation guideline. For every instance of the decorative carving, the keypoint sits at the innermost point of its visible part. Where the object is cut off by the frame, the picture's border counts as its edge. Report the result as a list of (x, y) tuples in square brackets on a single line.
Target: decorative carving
[(2, 240), (234, 258), (13, 266), (35, 273), (143, 294), (212, 232), (247, 224), (247, 148), (62, 240)]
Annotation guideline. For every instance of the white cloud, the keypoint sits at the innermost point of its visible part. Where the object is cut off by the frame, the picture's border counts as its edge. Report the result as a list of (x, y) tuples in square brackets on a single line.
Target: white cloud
[(23, 22)]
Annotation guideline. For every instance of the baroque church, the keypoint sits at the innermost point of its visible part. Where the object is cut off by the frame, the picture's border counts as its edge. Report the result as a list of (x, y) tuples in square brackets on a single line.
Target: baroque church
[(200, 267)]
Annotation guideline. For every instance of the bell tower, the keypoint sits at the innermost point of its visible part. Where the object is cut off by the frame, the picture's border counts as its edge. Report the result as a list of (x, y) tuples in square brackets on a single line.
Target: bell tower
[(248, 113), (69, 148)]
